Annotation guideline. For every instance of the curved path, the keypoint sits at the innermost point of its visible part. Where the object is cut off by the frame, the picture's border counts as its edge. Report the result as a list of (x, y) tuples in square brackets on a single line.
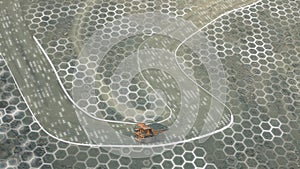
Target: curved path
[(36, 80)]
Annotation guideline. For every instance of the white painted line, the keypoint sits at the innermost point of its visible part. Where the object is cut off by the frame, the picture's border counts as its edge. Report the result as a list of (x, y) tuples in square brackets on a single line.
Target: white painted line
[(126, 146)]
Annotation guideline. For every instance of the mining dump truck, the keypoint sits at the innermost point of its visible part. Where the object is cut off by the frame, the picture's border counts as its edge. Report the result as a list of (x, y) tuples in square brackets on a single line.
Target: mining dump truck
[(147, 133)]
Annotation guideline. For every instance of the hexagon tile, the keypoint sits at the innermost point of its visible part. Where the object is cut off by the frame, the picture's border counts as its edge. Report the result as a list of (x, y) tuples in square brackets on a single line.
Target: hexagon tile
[(257, 43)]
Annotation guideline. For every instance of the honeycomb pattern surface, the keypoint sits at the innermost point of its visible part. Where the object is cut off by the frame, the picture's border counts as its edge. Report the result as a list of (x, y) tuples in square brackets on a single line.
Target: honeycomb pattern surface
[(258, 45)]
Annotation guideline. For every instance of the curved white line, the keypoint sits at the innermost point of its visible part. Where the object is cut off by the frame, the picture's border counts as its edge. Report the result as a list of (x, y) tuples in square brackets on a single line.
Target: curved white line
[(71, 99), (175, 52), (65, 91), (100, 145), (139, 68), (138, 58), (126, 146)]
